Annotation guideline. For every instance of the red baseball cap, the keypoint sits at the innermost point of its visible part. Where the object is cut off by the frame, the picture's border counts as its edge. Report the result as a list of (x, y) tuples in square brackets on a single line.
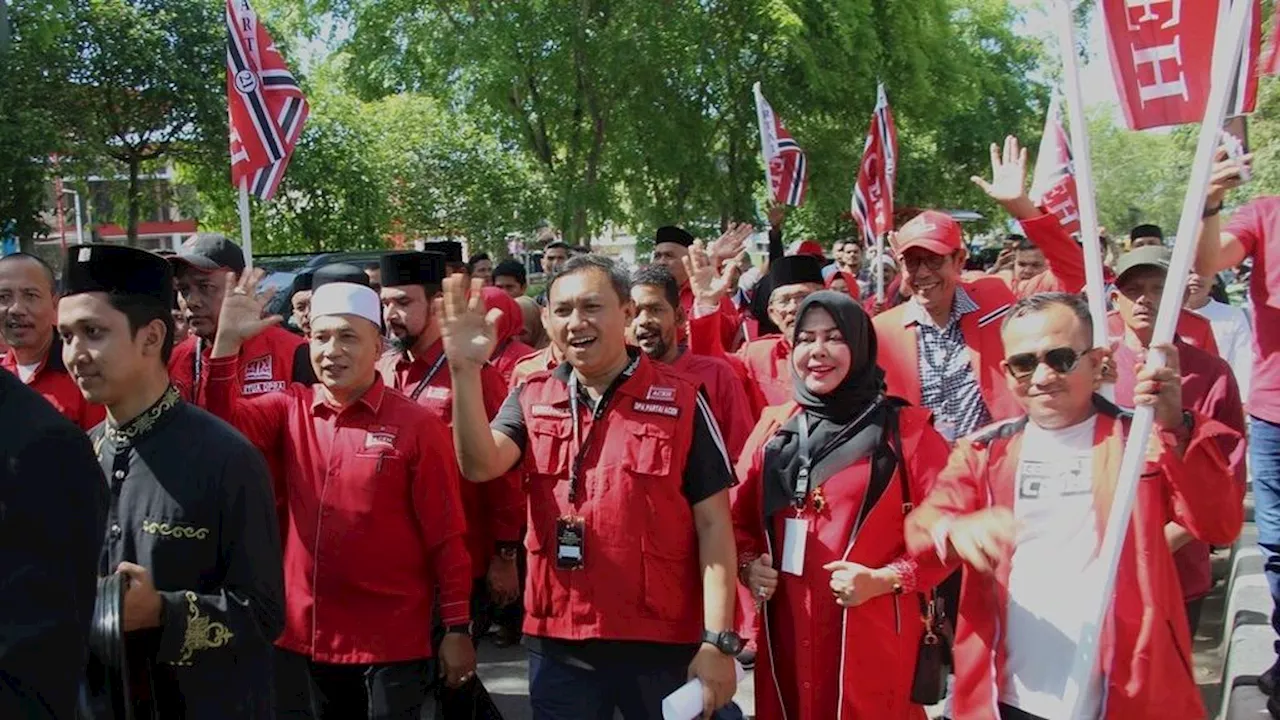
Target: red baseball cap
[(806, 247), (931, 230)]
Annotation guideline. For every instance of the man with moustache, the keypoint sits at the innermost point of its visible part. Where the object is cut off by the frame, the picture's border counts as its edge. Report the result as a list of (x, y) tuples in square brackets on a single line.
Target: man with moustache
[(495, 511), (375, 524), (28, 312), (671, 249), (191, 533), (268, 363)]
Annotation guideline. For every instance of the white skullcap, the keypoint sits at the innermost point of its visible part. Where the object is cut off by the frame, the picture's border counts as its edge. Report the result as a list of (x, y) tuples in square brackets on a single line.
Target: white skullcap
[(344, 298)]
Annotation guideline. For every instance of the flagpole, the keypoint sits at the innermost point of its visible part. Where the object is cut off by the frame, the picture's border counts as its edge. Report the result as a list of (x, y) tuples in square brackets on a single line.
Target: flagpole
[(761, 123), (1094, 283), (246, 238), (1229, 39), (878, 269)]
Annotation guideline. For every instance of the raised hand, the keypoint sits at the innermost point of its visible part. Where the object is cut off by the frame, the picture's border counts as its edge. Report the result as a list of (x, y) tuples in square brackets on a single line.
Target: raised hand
[(731, 242), (469, 333), (241, 315), (1008, 184), (777, 215), (708, 284), (1226, 174)]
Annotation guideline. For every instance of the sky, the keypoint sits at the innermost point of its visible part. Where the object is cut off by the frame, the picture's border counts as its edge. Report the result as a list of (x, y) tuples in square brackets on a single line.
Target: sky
[(1095, 75)]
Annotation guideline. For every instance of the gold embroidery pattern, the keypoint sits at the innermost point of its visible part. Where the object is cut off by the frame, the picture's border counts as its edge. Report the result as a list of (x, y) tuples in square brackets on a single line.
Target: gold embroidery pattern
[(202, 633), (164, 529), (140, 425)]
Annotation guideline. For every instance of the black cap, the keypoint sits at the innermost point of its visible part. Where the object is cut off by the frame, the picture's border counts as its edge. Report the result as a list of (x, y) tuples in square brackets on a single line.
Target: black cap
[(672, 234), (412, 268), (209, 251), (795, 269), (338, 272), (303, 280), (117, 269), (450, 249), (512, 268), (1146, 231)]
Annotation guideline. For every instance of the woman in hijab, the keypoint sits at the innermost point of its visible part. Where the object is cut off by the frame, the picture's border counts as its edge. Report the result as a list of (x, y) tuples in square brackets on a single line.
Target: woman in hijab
[(819, 525), (841, 281), (509, 350)]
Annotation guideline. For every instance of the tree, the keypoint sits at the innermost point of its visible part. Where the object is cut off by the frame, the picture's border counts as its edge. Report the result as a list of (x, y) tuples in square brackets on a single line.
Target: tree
[(148, 85)]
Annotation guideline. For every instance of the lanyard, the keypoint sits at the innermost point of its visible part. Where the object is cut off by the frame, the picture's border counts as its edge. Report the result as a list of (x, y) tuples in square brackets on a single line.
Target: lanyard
[(197, 369), (801, 491), (422, 384), (583, 444)]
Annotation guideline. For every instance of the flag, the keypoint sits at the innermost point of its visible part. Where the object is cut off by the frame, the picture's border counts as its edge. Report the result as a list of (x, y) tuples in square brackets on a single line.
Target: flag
[(872, 204), (785, 165), (1053, 186), (1271, 66), (266, 107), (1162, 56)]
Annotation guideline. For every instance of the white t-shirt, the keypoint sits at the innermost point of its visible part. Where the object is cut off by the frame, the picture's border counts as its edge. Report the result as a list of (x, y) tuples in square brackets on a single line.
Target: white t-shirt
[(1054, 566), (1234, 335), (26, 371)]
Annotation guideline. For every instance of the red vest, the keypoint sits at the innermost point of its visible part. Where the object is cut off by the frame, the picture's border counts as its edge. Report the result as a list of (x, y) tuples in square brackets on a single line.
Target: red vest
[(641, 577)]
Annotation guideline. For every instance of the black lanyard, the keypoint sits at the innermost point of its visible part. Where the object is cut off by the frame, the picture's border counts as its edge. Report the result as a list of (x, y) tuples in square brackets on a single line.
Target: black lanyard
[(583, 444), (801, 491), (422, 384), (197, 369)]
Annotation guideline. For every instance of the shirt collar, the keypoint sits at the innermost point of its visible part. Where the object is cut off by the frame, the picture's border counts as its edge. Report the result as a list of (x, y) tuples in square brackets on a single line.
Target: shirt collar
[(404, 362), (915, 314), (371, 399), (564, 371), (138, 427)]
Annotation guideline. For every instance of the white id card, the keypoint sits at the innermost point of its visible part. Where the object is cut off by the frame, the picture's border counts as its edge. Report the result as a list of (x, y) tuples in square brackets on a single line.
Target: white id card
[(795, 532)]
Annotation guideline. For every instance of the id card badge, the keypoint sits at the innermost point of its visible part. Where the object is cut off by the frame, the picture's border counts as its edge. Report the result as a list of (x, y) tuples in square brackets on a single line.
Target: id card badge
[(571, 538), (795, 531)]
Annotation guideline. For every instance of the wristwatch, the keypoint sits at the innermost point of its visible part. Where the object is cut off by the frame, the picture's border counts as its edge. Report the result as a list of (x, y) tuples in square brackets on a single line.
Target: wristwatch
[(464, 629), (726, 641), (1211, 211)]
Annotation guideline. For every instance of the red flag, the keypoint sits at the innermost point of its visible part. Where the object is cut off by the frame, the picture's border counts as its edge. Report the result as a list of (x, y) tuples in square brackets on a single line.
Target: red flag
[(1162, 55), (266, 107), (872, 204), (1053, 187), (1271, 66), (785, 164)]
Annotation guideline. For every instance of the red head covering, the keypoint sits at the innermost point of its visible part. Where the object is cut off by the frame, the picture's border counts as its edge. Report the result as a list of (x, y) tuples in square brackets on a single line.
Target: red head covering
[(512, 321)]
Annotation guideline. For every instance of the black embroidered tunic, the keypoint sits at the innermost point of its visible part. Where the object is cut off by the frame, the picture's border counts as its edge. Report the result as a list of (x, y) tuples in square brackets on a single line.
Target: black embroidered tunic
[(191, 502)]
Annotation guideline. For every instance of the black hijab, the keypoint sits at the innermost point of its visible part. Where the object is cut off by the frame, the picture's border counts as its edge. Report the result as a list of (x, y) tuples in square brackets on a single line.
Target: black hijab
[(844, 425)]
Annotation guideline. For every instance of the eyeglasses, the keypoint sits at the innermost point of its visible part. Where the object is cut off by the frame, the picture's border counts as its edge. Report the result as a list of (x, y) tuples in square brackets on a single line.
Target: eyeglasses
[(783, 302), (930, 260), (1061, 360)]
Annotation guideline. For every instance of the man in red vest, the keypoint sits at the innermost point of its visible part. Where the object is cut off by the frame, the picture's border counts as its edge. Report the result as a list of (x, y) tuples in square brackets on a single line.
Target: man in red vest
[(28, 312), (630, 542)]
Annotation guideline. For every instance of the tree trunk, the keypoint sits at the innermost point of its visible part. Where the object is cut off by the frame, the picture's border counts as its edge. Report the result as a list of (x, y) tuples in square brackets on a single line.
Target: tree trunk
[(135, 201)]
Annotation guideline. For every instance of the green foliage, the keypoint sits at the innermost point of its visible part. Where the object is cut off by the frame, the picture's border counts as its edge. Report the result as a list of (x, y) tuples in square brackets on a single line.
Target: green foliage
[(1139, 177)]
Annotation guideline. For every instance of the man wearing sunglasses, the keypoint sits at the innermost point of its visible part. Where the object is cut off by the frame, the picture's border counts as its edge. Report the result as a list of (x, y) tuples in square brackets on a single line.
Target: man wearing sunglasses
[(1021, 504), (1208, 388)]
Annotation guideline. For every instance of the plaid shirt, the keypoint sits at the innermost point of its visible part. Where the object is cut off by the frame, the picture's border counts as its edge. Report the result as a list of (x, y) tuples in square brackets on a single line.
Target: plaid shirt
[(948, 386)]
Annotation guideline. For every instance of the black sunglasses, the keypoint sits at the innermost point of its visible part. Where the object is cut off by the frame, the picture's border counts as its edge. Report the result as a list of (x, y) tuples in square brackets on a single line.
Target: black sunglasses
[(1061, 360)]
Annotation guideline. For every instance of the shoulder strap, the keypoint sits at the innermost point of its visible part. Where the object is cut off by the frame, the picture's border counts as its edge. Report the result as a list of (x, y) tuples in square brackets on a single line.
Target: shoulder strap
[(884, 460), (896, 437)]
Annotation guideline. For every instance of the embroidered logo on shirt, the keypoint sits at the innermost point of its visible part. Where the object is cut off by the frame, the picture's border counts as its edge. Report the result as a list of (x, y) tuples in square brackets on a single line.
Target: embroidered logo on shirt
[(437, 393), (656, 409), (380, 438), (259, 388), (258, 369), (661, 394), (164, 529), (548, 411)]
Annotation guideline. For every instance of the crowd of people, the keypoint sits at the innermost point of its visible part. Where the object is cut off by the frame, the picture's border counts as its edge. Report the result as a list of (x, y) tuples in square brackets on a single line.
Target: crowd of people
[(645, 476)]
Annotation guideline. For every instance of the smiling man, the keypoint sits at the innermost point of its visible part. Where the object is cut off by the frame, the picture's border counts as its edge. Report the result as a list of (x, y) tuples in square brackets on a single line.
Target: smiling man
[(28, 312), (190, 525), (267, 363)]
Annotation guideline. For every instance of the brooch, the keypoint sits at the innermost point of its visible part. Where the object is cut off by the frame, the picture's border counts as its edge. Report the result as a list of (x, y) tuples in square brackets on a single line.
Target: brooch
[(819, 500)]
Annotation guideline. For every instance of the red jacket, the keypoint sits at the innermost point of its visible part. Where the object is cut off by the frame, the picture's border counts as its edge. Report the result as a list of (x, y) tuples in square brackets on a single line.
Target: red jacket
[(642, 580), (56, 385), (267, 362), (375, 518), (864, 671), (536, 361), (729, 403), (726, 319), (899, 353), (494, 510), (1145, 651), (1064, 257)]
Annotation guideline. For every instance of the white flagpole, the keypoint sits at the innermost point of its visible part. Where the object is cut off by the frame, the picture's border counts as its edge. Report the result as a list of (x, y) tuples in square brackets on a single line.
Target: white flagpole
[(763, 122), (246, 237), (1227, 45), (877, 268), (1094, 284)]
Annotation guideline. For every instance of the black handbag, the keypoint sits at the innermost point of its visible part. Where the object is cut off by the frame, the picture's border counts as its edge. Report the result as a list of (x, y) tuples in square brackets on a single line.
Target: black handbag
[(933, 658), (471, 701)]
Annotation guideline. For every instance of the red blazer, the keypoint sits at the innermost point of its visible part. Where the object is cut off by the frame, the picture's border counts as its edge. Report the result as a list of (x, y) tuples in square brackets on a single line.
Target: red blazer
[(1145, 651), (899, 356), (1064, 257)]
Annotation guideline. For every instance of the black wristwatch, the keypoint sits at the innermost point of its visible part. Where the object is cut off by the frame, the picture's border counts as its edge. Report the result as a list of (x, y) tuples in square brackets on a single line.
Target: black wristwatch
[(459, 629), (726, 641)]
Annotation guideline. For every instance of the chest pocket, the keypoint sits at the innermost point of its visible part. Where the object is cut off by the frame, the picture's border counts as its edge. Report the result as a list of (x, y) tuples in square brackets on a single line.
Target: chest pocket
[(548, 447), (650, 448), (177, 548)]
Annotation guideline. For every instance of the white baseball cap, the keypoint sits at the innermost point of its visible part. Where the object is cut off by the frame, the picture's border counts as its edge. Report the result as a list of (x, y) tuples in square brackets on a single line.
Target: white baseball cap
[(344, 298)]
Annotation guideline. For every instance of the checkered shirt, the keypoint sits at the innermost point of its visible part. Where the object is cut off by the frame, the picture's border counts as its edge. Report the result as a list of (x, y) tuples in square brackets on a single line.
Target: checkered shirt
[(948, 386)]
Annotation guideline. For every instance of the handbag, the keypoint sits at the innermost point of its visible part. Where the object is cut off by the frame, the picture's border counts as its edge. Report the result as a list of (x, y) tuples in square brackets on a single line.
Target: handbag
[(471, 701), (933, 657)]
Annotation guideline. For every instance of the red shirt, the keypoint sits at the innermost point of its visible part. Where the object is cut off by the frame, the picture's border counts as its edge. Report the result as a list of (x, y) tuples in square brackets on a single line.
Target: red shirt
[(1257, 227), (268, 362), (729, 403), (507, 356), (55, 384), (375, 518), (1191, 329), (1064, 258), (1208, 388), (495, 510)]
